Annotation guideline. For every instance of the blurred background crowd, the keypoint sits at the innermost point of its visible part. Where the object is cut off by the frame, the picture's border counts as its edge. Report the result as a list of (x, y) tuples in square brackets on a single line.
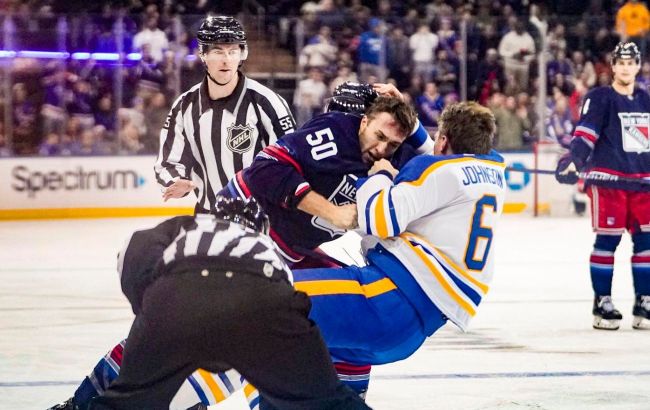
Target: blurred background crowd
[(98, 78)]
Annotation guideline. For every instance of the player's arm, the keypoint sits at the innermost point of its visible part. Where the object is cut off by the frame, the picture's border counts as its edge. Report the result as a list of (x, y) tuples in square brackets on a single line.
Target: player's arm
[(585, 136), (175, 160), (386, 208), (141, 252)]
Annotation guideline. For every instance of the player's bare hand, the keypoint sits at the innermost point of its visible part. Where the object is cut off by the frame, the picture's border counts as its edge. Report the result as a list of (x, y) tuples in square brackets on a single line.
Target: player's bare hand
[(387, 90), (345, 217), (382, 165), (178, 189)]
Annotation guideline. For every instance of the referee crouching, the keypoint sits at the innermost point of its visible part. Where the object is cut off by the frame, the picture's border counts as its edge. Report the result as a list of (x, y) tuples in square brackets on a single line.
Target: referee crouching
[(216, 295)]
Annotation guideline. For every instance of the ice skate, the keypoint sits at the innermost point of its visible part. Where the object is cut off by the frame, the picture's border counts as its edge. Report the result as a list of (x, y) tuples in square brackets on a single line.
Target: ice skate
[(66, 405), (641, 312), (606, 316)]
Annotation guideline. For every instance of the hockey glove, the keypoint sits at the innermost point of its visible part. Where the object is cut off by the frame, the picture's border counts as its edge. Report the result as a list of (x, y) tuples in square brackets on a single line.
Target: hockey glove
[(566, 171)]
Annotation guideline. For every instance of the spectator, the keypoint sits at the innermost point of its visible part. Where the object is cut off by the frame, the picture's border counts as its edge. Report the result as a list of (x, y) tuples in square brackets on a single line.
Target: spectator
[(320, 52), (559, 124), (517, 49), (583, 69), (511, 125), (399, 57), (53, 112), (643, 79), (149, 74), (423, 45), (372, 52), (430, 105), (105, 113), (153, 36), (446, 34), (490, 77), (576, 99), (633, 22), (24, 117), (155, 114), (81, 106), (344, 74), (129, 140), (5, 150), (445, 72), (88, 144), (50, 145), (309, 96)]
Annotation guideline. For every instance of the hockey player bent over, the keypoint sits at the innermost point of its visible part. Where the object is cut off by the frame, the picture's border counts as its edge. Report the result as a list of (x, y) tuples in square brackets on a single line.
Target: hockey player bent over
[(612, 140)]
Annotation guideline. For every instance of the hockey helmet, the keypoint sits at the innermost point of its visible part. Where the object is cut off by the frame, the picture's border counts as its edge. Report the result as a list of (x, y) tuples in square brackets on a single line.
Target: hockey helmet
[(221, 30), (626, 50), (245, 212), (352, 98)]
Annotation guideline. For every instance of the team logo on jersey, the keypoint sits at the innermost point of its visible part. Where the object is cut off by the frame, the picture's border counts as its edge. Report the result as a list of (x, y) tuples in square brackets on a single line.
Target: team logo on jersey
[(345, 193), (240, 138), (635, 131)]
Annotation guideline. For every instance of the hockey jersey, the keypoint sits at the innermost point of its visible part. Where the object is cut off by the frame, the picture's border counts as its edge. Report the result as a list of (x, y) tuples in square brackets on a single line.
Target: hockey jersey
[(437, 218), (324, 155), (613, 136)]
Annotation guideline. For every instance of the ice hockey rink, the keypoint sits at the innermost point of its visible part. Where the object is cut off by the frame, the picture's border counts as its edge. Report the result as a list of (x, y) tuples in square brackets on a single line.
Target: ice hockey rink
[(531, 345)]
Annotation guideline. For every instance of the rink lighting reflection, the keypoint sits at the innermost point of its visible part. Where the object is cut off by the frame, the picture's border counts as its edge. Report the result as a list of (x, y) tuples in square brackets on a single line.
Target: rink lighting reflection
[(64, 55)]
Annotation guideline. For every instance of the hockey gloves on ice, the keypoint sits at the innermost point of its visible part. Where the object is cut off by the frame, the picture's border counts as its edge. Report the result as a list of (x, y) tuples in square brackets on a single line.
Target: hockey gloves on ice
[(566, 171)]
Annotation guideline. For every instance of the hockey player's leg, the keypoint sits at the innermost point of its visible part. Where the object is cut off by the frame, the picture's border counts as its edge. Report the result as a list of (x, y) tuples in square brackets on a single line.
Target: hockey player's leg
[(602, 270), (641, 277), (356, 377)]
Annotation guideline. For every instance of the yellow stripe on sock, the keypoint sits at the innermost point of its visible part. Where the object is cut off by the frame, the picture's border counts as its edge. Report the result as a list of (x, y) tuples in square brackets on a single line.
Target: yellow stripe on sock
[(212, 385), (342, 287)]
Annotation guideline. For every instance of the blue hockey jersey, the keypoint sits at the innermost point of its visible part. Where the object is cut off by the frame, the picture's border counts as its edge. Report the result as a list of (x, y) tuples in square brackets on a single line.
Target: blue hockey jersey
[(612, 136), (324, 155)]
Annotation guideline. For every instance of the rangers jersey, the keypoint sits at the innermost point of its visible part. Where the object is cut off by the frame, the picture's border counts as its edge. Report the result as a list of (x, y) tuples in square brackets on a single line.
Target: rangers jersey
[(437, 218), (613, 136)]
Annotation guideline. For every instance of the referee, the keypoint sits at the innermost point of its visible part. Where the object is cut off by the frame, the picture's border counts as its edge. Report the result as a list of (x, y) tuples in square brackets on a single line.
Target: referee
[(211, 292), (216, 128)]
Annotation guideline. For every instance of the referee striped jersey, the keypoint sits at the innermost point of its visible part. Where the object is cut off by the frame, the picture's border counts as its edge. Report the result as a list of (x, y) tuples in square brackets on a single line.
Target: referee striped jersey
[(202, 242), (208, 141)]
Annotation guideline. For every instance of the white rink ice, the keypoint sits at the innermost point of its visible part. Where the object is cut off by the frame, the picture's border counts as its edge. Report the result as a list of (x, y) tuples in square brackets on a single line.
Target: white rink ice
[(531, 345)]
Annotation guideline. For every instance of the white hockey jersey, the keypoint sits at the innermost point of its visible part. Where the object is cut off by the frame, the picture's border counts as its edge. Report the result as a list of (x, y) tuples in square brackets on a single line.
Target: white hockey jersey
[(437, 218)]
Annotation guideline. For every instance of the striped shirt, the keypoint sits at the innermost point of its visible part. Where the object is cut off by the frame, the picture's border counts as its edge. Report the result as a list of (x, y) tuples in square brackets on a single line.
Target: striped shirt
[(208, 141), (202, 241)]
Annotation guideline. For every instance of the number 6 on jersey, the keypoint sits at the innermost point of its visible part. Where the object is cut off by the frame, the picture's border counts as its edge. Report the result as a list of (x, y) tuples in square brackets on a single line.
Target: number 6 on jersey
[(478, 234)]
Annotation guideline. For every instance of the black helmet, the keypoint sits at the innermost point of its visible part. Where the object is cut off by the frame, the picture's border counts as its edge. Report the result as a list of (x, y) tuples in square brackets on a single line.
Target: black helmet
[(626, 50), (352, 98), (245, 212), (221, 30)]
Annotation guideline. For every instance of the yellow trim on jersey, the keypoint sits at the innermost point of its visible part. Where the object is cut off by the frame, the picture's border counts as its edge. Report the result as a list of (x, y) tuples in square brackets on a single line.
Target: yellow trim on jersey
[(485, 288), (438, 164), (443, 282), (339, 287), (67, 213), (212, 385), (380, 217), (249, 389)]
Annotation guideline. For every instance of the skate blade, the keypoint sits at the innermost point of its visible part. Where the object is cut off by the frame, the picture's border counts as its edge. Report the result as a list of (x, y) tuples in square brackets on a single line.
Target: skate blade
[(641, 323), (604, 324)]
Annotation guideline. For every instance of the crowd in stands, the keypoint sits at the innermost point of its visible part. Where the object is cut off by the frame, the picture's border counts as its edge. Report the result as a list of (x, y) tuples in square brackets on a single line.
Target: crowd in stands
[(71, 107)]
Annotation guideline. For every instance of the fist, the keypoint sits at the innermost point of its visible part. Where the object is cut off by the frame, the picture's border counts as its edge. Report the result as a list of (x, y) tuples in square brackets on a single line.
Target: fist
[(382, 165), (566, 171)]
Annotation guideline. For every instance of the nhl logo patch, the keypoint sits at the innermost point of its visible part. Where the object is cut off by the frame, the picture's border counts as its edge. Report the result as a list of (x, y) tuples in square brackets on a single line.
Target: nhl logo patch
[(635, 131), (240, 138)]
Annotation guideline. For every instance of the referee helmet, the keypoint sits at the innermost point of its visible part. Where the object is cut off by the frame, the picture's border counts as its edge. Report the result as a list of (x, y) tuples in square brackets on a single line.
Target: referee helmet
[(245, 212), (221, 30)]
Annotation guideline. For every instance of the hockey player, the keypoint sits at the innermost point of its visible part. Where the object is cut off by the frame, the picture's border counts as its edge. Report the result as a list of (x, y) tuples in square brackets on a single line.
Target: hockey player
[(313, 172), (226, 257), (430, 231), (333, 176), (612, 139), (218, 126)]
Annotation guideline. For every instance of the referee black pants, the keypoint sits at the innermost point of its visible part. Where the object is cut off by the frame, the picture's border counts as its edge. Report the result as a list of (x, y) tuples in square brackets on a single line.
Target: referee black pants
[(224, 320)]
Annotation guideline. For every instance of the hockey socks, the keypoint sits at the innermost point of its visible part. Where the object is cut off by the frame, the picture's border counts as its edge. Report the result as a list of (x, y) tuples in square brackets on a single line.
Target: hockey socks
[(354, 376)]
